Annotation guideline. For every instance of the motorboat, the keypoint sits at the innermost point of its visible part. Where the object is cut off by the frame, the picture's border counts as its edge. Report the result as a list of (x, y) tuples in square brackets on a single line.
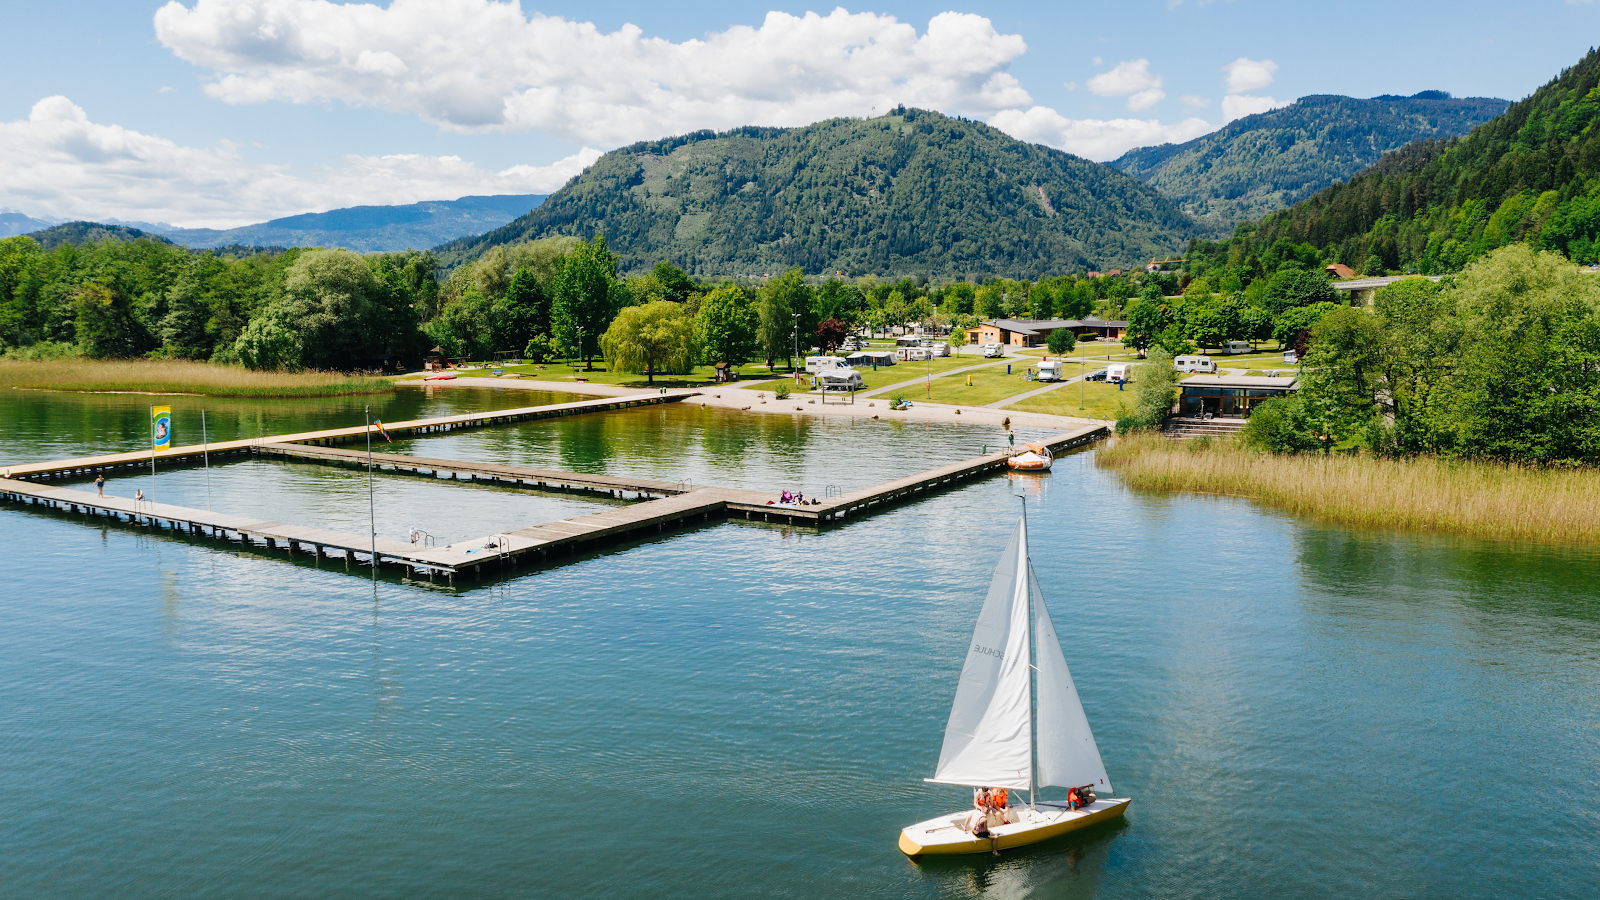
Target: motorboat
[(1031, 458), (1016, 724)]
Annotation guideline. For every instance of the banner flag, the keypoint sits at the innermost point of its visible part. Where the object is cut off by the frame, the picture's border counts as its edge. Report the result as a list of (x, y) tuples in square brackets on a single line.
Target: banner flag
[(161, 427), (383, 431)]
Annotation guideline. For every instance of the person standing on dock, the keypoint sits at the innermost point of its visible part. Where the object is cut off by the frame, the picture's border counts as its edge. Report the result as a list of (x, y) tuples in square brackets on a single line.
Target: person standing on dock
[(100, 485)]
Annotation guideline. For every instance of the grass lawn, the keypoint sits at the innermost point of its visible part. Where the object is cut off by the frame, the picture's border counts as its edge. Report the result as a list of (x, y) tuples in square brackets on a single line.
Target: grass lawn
[(1099, 401)]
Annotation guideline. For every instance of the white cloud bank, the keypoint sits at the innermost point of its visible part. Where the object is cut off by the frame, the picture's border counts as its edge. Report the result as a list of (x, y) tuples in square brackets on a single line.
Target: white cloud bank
[(1094, 138), (59, 163), (478, 65), (1243, 76)]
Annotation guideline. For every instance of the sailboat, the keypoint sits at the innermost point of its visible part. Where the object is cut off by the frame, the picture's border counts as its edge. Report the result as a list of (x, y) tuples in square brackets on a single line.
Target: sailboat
[(1016, 723)]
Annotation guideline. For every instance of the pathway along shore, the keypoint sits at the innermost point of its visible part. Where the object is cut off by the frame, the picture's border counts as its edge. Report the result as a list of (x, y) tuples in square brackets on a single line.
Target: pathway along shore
[(732, 396)]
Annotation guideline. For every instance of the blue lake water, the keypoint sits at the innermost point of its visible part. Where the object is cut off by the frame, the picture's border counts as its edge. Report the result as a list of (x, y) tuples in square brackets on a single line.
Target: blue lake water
[(746, 710)]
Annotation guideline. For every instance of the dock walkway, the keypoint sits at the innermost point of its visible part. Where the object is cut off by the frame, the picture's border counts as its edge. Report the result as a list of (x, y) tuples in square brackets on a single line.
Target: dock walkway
[(88, 466), (673, 504)]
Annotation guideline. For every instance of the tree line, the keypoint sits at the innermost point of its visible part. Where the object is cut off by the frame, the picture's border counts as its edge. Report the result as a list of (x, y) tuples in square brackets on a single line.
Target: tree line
[(540, 300)]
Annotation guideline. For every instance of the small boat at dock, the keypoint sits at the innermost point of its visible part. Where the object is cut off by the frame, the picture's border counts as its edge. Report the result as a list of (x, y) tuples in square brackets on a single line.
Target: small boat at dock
[(1016, 725), (1031, 458)]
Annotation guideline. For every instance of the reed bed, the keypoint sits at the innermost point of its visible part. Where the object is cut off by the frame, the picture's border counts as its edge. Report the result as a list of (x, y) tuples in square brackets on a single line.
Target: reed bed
[(1485, 500), (179, 376)]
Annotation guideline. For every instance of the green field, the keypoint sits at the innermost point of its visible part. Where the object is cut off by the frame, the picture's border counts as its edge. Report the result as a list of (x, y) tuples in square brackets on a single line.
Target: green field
[(1089, 400)]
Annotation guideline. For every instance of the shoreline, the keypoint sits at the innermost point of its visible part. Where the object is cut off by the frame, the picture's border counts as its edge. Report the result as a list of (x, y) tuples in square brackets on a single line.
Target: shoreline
[(732, 396), (1461, 498)]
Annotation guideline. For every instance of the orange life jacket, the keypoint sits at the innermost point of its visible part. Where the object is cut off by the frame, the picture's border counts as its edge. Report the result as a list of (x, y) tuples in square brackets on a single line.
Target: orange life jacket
[(1000, 798)]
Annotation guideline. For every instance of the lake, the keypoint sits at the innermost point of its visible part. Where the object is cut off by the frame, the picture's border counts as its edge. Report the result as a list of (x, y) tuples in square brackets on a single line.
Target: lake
[(749, 710)]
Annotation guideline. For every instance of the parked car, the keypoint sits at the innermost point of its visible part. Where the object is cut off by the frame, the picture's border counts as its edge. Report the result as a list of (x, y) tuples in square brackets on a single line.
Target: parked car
[(1096, 376), (1194, 364), (850, 346), (993, 351)]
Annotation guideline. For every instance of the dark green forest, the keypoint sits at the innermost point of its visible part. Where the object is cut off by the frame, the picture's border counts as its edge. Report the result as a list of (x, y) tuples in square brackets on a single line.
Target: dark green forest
[(914, 193), (1531, 175), (1269, 161)]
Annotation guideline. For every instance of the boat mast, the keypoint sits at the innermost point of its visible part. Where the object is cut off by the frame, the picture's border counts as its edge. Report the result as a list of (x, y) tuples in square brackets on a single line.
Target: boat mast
[(1033, 670)]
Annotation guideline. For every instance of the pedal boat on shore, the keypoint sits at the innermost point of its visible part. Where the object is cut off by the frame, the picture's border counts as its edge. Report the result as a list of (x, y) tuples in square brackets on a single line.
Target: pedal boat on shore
[(947, 836), (1016, 723), (1031, 458)]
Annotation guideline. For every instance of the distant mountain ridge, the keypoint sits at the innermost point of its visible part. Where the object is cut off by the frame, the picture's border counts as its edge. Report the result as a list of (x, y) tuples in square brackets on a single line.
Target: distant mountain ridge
[(1530, 175), (14, 223), (1269, 161), (369, 228), (90, 232), (910, 193)]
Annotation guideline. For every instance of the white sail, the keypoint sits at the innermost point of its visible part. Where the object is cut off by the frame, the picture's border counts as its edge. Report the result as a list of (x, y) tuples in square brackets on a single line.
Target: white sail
[(1068, 756), (989, 738)]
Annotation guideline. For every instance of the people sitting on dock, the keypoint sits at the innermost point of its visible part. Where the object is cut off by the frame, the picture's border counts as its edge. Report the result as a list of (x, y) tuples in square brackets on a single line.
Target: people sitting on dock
[(786, 497)]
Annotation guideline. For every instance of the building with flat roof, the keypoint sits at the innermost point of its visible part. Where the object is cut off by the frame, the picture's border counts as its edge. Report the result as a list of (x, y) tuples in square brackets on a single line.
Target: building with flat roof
[(1231, 396), (1034, 332)]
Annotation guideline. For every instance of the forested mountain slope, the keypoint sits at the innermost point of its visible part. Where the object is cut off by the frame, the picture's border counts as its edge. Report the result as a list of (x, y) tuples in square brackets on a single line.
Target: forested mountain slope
[(370, 228), (912, 193), (90, 232), (1533, 174), (1270, 161)]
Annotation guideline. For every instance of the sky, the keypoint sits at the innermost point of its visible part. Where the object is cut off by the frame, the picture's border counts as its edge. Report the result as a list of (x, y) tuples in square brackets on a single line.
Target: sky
[(218, 113)]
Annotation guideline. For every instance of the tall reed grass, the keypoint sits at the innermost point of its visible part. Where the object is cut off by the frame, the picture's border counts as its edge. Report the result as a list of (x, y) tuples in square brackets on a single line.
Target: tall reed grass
[(1485, 500), (179, 376)]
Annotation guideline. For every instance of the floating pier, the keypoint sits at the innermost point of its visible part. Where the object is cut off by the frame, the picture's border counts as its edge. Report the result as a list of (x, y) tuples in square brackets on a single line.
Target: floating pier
[(661, 503)]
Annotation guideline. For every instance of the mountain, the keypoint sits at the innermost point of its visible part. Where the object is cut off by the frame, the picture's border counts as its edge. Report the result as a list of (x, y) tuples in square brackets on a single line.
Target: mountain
[(13, 223), (1533, 174), (369, 228), (90, 232), (1270, 161), (911, 193)]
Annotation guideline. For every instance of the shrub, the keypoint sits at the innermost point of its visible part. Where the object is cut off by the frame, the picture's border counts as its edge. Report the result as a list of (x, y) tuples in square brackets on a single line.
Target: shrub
[(1281, 426), (540, 348), (781, 391)]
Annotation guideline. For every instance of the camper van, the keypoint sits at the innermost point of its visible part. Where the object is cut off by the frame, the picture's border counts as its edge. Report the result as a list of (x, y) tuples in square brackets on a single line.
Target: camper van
[(1195, 364), (1051, 370), (1119, 372), (816, 365), (941, 348), (914, 354), (993, 351), (1236, 347), (910, 340)]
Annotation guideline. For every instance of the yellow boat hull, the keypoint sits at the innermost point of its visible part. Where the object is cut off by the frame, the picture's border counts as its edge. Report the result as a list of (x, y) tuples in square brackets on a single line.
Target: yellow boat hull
[(944, 837)]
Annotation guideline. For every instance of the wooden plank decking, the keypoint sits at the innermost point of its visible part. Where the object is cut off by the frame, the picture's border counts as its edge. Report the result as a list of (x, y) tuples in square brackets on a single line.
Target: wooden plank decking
[(677, 503)]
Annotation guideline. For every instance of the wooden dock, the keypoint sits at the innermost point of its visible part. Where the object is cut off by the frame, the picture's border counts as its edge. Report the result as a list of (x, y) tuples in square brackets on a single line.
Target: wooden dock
[(678, 504), (89, 466)]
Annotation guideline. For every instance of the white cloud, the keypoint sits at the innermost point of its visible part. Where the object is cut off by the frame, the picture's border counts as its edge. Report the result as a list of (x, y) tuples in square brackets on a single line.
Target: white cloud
[(1246, 75), (1146, 99), (1094, 138), (1071, 85), (1131, 77), (1235, 106), (59, 163), (1194, 102), (479, 65)]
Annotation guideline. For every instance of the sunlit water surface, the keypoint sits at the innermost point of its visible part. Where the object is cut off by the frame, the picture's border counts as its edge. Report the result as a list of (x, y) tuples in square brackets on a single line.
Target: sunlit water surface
[(743, 710)]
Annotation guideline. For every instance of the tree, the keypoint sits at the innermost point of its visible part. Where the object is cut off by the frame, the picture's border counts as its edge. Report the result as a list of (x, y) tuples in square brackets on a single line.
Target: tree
[(466, 326), (1148, 316), (523, 313), (1341, 375), (783, 298), (1154, 391), (586, 297), (1292, 328), (105, 323), (332, 310), (674, 284), (830, 335), (1061, 341), (1293, 288), (1212, 321), (656, 337), (726, 326)]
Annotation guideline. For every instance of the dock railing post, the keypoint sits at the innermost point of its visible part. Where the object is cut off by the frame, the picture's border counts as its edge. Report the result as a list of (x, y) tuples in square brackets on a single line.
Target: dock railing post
[(372, 515)]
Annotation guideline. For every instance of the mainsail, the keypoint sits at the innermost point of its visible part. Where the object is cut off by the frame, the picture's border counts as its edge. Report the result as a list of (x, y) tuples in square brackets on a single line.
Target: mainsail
[(989, 738), (1068, 756)]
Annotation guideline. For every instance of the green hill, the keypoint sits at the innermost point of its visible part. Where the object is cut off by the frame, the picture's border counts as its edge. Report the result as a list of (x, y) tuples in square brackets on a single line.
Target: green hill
[(913, 193), (1533, 174), (90, 232), (1270, 161)]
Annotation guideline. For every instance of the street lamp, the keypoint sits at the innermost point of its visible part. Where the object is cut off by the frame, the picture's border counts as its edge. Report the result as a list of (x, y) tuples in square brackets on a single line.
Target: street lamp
[(793, 359)]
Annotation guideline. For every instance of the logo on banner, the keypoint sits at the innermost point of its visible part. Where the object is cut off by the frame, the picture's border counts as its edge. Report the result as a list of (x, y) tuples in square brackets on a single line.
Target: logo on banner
[(161, 427)]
